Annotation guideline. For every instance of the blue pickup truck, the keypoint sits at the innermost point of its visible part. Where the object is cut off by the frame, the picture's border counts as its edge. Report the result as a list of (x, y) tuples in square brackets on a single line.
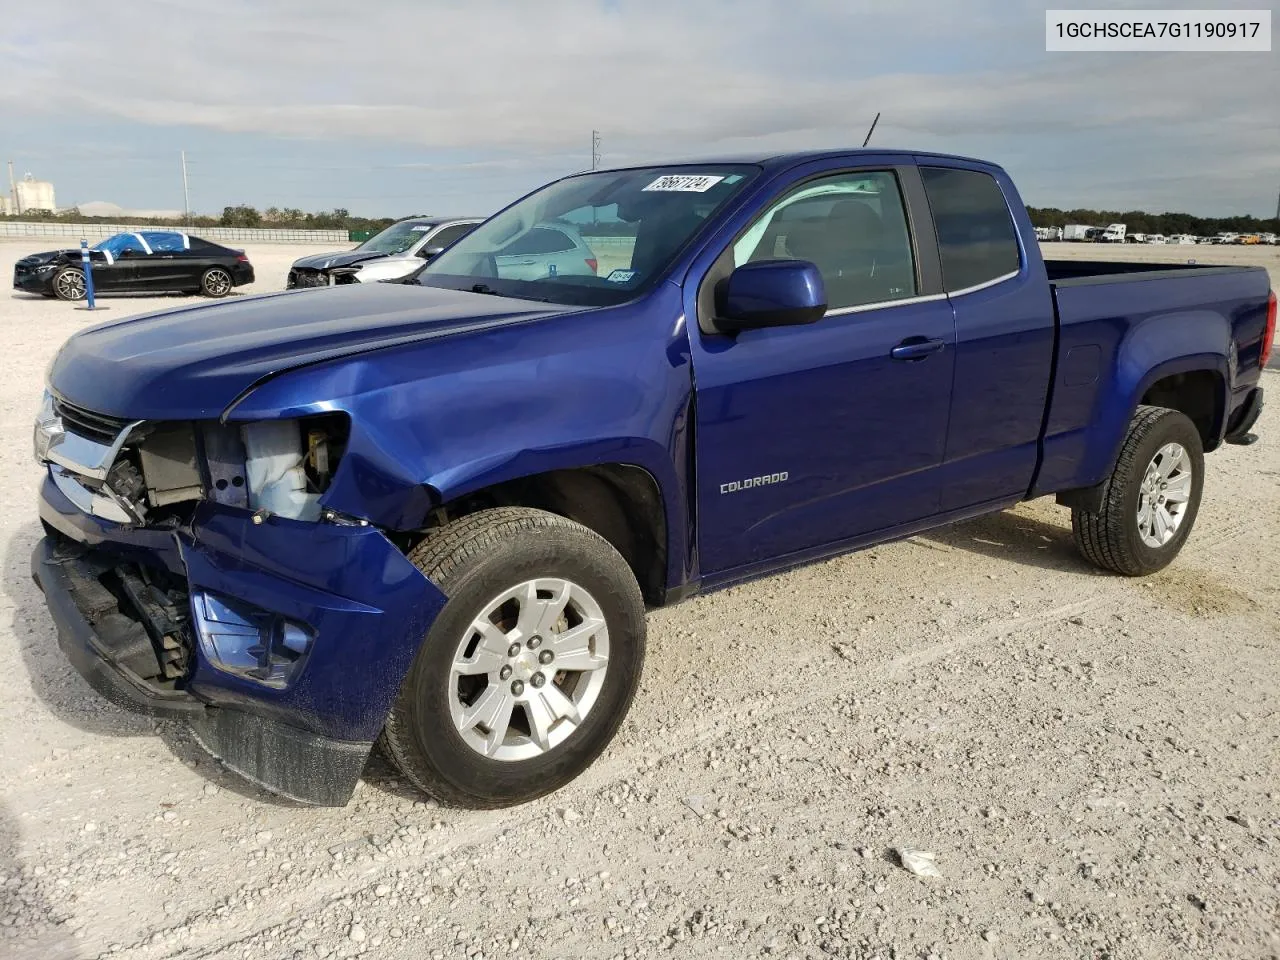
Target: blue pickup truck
[(430, 513)]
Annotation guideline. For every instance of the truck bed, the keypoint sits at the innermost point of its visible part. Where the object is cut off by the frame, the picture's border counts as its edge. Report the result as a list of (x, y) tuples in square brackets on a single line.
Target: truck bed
[(1119, 334), (1085, 272)]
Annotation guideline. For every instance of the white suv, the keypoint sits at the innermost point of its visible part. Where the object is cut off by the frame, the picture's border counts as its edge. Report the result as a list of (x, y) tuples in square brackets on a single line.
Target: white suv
[(390, 254)]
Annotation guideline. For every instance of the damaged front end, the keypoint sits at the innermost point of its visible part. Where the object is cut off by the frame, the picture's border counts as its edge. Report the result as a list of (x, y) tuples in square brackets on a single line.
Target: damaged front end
[(153, 472), (192, 571)]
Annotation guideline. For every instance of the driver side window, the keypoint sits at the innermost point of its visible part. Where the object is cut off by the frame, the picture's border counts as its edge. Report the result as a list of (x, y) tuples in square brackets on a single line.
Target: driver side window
[(851, 226), (127, 245)]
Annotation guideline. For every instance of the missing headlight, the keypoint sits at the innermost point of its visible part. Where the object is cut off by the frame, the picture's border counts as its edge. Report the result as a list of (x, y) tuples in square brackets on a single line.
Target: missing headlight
[(289, 464)]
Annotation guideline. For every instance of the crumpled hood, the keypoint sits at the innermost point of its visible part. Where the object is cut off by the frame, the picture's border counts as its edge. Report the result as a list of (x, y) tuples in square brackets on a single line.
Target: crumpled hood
[(50, 256), (342, 258), (191, 362)]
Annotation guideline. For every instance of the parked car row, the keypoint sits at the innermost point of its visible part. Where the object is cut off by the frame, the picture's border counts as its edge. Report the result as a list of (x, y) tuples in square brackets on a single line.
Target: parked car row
[(1117, 233), (173, 261)]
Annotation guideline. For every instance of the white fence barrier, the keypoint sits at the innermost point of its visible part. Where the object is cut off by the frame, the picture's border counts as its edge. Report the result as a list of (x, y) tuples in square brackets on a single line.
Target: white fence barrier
[(29, 228)]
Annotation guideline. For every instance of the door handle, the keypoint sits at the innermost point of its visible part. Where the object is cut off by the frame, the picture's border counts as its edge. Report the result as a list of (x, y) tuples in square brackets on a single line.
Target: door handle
[(916, 348)]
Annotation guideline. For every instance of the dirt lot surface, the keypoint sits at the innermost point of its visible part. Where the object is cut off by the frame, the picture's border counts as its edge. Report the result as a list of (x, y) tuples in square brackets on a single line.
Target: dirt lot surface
[(1094, 762)]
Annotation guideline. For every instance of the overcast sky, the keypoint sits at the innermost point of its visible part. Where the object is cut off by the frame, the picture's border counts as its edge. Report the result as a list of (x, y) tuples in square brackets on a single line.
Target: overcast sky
[(457, 106)]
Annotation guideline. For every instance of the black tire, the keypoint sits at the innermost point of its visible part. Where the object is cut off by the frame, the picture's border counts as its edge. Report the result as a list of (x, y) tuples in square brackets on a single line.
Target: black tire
[(216, 282), (1110, 538), (65, 286), (473, 560)]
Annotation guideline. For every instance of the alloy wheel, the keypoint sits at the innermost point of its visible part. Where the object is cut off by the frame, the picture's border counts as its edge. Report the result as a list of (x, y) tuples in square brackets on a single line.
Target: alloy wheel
[(71, 285), (217, 283), (529, 669), (1164, 495)]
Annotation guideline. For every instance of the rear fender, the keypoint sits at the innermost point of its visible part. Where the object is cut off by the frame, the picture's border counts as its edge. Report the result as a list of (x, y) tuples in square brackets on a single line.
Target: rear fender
[(1156, 347)]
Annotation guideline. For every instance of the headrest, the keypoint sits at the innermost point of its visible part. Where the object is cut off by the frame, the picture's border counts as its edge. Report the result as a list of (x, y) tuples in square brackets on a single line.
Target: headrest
[(858, 217)]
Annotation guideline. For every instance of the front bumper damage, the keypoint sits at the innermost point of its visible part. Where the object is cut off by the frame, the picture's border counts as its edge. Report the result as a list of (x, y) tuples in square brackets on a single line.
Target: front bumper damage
[(141, 613)]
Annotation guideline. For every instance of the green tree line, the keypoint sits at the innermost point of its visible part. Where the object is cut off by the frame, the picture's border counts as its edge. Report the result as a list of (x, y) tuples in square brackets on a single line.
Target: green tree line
[(242, 215), (239, 215), (1139, 221)]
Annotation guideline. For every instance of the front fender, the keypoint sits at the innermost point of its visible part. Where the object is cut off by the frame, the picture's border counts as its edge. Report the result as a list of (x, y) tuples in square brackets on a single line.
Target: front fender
[(437, 420)]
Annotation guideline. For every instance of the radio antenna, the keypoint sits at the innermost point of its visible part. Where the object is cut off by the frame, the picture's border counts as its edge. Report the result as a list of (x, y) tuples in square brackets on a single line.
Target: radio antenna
[(873, 127)]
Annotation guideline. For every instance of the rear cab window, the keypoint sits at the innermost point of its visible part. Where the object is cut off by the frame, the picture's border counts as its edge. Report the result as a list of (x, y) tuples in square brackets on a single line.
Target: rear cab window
[(977, 239)]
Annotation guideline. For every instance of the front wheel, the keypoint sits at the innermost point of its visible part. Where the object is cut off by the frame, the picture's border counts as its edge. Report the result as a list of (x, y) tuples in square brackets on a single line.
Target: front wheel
[(1151, 498), (216, 282), (528, 671), (69, 284)]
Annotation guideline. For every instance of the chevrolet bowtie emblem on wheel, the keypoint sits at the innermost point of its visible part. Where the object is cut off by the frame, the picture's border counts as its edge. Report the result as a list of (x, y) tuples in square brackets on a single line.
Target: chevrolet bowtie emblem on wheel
[(735, 486)]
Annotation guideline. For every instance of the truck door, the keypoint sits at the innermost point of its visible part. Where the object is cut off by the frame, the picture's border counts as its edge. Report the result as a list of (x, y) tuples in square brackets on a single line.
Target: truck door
[(807, 436), (1004, 333)]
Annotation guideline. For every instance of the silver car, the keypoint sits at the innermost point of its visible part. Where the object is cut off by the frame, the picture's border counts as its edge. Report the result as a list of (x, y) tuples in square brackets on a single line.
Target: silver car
[(551, 248), (390, 254)]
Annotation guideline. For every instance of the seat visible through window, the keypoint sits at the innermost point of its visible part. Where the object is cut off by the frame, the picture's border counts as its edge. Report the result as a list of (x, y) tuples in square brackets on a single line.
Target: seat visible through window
[(852, 227)]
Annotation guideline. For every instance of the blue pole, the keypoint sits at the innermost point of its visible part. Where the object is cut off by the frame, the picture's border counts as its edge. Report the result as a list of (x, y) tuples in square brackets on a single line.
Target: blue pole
[(88, 271)]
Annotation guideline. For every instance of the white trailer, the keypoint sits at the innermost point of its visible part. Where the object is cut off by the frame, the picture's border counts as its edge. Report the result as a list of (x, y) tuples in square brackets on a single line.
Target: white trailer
[(1076, 231)]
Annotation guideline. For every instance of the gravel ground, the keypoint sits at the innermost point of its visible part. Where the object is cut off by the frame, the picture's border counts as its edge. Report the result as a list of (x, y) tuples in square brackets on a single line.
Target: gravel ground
[(1092, 760)]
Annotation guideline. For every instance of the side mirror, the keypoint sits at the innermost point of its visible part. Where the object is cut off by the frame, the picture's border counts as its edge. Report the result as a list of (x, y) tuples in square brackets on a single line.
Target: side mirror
[(427, 253), (770, 293)]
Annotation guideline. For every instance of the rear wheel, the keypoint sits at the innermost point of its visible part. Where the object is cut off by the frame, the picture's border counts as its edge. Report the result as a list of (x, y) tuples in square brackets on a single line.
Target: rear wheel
[(1151, 499), (69, 284), (527, 673), (216, 282)]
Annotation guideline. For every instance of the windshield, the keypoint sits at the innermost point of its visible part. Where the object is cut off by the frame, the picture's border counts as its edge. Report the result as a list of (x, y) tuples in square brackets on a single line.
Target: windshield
[(397, 238), (589, 240)]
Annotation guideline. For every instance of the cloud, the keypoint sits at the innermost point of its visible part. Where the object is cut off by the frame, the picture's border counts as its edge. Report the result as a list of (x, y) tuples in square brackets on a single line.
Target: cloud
[(662, 76)]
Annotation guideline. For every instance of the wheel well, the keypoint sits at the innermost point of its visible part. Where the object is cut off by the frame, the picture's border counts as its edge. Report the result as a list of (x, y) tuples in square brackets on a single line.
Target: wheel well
[(620, 502), (1198, 394)]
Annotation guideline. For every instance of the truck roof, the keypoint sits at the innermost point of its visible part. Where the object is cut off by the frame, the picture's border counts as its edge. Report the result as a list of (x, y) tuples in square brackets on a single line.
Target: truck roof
[(775, 160)]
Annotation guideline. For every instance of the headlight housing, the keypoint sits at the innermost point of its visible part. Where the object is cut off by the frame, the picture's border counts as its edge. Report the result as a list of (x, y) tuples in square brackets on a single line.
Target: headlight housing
[(289, 464), (154, 468), (282, 467)]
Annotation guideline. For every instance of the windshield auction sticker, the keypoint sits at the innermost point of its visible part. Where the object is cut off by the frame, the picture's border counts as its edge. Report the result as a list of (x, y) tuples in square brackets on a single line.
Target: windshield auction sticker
[(684, 183), (1213, 31)]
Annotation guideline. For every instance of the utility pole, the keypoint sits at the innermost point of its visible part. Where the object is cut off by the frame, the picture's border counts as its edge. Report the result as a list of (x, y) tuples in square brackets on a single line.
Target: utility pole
[(186, 194), (1277, 195), (595, 149), (13, 190)]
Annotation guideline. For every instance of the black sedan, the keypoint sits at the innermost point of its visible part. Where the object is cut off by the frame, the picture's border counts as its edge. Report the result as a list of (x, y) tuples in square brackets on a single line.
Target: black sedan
[(160, 261)]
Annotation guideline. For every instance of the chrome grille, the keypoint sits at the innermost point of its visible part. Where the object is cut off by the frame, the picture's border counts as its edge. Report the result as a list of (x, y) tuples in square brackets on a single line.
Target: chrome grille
[(97, 427)]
